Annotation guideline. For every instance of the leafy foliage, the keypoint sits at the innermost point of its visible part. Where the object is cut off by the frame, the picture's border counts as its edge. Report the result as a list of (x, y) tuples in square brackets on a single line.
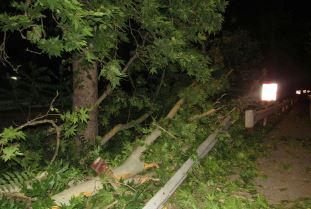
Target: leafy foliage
[(164, 34), (9, 204), (8, 149), (210, 183), (147, 51), (58, 176), (112, 71), (11, 180), (56, 179), (72, 120)]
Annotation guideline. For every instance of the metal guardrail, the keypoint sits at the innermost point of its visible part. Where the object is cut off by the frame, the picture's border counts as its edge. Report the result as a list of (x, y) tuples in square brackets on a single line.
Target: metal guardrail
[(252, 117), (162, 196)]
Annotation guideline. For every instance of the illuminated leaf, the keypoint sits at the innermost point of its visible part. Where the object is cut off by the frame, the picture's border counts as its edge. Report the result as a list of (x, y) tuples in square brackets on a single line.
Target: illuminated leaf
[(112, 72), (51, 46), (10, 152), (10, 134)]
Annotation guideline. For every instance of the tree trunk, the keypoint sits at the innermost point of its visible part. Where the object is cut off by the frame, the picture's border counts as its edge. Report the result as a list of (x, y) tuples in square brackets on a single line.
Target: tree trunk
[(85, 94)]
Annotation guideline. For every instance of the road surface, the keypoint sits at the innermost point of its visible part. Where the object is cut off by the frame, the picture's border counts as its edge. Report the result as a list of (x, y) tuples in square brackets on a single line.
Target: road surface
[(285, 171)]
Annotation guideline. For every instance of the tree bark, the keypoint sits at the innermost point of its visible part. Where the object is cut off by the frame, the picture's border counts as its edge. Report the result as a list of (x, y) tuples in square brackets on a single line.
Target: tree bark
[(85, 94)]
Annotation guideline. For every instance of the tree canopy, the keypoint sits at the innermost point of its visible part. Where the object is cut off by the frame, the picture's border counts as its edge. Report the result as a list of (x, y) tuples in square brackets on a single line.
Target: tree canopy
[(156, 33), (146, 51)]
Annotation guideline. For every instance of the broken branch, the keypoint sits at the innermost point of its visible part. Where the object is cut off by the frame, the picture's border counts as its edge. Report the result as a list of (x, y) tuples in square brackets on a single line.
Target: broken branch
[(175, 108), (204, 114), (133, 164), (164, 130), (40, 120), (121, 127), (52, 123)]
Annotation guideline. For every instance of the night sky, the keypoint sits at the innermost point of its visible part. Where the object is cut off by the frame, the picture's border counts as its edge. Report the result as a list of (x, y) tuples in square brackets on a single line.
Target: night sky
[(283, 27)]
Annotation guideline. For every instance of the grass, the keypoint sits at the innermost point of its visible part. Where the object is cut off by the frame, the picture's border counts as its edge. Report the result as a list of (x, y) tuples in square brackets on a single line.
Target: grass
[(223, 180), (298, 204)]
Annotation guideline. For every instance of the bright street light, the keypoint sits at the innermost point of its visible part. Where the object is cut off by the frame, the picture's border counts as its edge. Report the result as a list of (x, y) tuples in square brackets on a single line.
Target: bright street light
[(269, 91)]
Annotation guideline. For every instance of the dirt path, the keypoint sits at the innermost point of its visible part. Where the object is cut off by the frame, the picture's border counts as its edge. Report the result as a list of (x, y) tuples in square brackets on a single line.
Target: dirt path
[(286, 169)]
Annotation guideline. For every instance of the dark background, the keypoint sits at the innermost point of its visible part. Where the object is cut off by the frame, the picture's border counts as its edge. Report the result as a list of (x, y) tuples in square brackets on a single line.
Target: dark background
[(283, 27)]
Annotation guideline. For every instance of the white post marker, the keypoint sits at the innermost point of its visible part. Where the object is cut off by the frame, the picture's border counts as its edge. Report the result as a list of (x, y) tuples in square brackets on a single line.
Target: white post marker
[(250, 118)]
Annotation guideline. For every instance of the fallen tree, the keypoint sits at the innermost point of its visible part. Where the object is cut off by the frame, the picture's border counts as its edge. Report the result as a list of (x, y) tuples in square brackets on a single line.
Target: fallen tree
[(131, 167)]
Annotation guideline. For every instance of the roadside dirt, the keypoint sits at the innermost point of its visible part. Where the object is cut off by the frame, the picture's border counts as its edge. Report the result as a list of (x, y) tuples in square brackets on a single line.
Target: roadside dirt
[(285, 170)]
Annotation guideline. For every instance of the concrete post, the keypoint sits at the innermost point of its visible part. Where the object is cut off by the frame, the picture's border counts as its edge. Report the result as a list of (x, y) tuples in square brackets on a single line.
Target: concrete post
[(265, 121), (249, 119)]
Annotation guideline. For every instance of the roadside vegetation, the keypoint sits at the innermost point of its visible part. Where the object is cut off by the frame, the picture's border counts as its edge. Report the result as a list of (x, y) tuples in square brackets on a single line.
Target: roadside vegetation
[(122, 70)]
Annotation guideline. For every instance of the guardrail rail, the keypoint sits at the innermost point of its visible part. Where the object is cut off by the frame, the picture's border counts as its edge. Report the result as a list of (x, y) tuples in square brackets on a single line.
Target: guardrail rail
[(161, 197), (252, 117)]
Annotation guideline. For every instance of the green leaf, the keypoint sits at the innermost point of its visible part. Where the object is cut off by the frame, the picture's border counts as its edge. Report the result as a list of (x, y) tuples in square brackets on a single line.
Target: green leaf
[(35, 34), (70, 131), (90, 56), (84, 115), (12, 23), (52, 46), (9, 152), (10, 134), (74, 118), (112, 72), (153, 71), (98, 14), (202, 37)]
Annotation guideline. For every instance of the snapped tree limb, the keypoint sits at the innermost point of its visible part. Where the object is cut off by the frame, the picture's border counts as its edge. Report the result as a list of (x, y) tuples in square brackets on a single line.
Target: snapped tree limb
[(52, 123), (132, 166), (42, 120), (121, 127), (204, 114)]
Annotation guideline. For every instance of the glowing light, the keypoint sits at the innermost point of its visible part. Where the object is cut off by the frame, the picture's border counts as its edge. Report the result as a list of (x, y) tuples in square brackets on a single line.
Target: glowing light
[(298, 91), (308, 91), (13, 77), (268, 92), (304, 91)]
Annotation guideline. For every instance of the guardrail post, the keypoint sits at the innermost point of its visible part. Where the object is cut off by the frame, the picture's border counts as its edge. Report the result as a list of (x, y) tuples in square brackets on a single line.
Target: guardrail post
[(264, 123), (249, 118)]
